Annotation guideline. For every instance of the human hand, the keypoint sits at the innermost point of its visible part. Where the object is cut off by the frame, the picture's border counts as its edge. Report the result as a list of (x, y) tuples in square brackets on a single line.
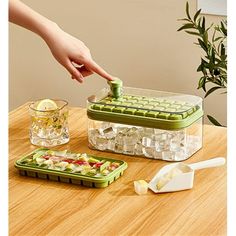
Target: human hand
[(67, 50), (73, 54)]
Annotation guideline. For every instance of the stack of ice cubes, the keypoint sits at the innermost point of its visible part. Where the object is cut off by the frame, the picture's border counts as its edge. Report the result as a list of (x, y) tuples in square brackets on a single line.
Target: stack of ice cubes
[(142, 141)]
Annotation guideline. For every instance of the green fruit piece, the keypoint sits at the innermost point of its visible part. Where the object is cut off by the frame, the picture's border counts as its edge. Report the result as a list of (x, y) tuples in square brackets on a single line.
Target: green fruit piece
[(38, 154), (105, 172), (91, 159), (104, 166)]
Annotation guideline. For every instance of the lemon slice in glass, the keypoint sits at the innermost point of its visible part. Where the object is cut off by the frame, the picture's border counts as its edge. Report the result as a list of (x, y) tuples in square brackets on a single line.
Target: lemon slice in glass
[(46, 105)]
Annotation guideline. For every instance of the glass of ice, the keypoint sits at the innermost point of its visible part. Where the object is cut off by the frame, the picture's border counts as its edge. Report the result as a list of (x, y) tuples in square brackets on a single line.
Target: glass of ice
[(49, 122)]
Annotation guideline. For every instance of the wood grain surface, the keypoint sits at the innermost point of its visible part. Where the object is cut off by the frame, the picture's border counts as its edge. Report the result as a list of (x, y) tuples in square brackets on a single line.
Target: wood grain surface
[(43, 207)]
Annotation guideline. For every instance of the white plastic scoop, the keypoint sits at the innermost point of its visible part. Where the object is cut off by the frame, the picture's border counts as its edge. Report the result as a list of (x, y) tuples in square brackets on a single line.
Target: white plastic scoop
[(180, 176)]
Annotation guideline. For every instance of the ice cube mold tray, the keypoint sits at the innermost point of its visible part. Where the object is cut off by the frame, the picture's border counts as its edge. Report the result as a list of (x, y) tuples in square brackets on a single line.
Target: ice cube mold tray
[(65, 177), (157, 112)]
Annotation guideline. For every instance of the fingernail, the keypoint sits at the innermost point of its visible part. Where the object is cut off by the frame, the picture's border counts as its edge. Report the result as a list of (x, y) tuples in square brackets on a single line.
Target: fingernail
[(80, 79)]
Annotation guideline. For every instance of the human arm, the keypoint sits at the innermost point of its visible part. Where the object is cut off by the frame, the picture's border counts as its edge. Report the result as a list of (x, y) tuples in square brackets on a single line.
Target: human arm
[(67, 50)]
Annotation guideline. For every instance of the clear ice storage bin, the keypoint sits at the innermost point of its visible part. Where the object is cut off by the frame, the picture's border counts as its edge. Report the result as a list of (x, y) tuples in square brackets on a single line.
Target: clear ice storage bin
[(148, 123)]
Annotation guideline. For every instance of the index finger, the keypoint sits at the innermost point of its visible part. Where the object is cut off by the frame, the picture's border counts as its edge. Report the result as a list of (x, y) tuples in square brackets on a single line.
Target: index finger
[(93, 66)]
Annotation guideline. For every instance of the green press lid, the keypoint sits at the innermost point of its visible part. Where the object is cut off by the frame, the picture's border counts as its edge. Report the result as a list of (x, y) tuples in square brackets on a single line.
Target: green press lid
[(148, 108), (116, 88), (115, 83)]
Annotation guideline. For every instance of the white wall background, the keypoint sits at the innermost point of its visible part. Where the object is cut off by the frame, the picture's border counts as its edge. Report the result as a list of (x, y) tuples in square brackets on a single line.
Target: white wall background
[(135, 40), (214, 7)]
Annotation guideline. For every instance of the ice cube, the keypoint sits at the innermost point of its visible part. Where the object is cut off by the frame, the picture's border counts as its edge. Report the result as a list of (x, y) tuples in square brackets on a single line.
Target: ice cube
[(93, 134), (148, 142), (119, 142), (181, 154), (139, 149), (119, 148), (140, 187), (168, 156), (105, 125), (130, 139), (157, 155), (148, 152), (129, 149), (101, 143), (148, 131), (111, 144), (164, 179), (122, 129), (109, 132)]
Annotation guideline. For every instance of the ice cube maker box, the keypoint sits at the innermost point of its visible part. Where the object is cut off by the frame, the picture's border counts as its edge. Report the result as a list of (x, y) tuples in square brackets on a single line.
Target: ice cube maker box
[(148, 123), (70, 167)]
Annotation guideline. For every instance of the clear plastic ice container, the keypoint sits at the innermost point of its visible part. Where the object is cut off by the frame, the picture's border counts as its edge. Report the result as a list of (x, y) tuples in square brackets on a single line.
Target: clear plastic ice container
[(148, 123)]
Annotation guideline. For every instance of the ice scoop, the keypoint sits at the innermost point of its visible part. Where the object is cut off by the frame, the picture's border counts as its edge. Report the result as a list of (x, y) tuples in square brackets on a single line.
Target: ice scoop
[(180, 176)]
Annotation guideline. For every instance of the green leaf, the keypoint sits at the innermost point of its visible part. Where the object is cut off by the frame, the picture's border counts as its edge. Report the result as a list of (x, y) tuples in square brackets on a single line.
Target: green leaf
[(219, 45), (218, 38), (222, 64), (213, 55), (203, 23), (201, 31), (213, 121), (222, 50), (202, 44), (191, 32), (204, 86), (204, 64), (201, 82), (205, 37), (184, 19), (223, 57), (217, 28), (187, 11), (197, 14), (211, 90), (199, 68), (223, 29), (186, 26)]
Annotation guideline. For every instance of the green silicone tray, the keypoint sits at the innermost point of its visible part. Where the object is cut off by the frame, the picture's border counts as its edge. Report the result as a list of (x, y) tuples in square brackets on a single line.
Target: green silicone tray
[(164, 112), (74, 178)]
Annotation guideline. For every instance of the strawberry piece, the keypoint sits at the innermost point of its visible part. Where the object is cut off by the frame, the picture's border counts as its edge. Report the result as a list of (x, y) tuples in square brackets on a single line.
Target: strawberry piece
[(81, 162), (69, 160)]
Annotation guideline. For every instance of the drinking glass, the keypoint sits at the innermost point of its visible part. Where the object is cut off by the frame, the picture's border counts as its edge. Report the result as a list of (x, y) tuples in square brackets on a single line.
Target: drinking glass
[(49, 127)]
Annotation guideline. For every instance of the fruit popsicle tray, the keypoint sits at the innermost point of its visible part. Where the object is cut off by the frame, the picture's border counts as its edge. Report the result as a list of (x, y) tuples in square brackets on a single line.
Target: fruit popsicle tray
[(70, 167)]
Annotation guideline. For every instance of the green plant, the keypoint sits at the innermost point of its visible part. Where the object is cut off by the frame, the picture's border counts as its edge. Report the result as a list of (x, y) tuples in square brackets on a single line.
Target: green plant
[(214, 62)]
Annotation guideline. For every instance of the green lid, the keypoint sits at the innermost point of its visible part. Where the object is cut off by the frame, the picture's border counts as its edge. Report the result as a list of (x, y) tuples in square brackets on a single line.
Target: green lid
[(166, 112)]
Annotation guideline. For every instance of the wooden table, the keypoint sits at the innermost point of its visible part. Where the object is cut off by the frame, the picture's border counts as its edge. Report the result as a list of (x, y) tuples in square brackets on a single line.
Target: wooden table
[(42, 207)]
